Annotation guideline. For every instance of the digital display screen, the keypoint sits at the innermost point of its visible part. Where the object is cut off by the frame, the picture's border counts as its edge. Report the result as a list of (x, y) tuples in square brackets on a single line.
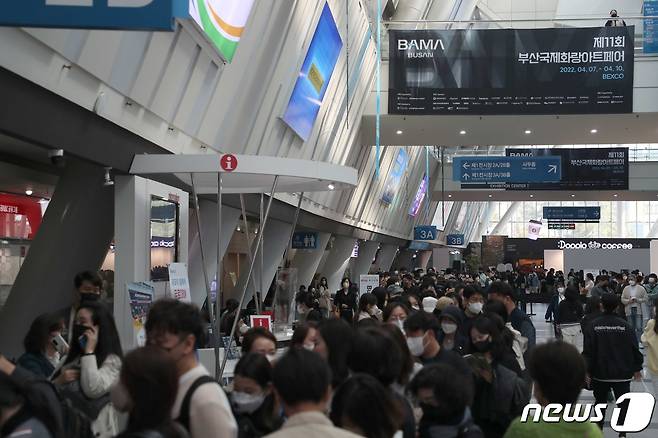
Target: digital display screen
[(314, 76), (164, 237)]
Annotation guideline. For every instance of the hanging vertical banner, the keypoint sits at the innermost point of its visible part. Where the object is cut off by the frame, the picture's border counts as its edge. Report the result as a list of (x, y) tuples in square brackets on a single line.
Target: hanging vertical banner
[(223, 22), (179, 283), (420, 195), (395, 177), (511, 71)]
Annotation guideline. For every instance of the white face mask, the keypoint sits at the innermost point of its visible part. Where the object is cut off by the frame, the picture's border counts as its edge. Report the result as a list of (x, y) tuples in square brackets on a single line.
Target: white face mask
[(415, 307), (271, 357), (416, 345), (475, 308), (560, 290), (246, 403), (244, 328), (400, 324), (309, 346), (652, 280), (300, 309), (448, 327), (346, 285), (632, 282)]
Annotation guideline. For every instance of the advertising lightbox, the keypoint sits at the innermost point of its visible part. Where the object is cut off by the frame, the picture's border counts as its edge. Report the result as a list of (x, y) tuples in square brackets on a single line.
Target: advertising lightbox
[(222, 21), (314, 76)]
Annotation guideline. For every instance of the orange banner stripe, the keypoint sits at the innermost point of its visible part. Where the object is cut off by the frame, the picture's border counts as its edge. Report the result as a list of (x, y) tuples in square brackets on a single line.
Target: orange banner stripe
[(234, 31)]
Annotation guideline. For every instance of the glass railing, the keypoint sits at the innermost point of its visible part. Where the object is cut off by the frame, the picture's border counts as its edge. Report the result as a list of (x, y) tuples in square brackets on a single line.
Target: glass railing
[(522, 23)]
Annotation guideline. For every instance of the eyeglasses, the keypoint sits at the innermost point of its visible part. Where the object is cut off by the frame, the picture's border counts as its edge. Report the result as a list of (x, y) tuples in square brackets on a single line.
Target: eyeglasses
[(155, 344)]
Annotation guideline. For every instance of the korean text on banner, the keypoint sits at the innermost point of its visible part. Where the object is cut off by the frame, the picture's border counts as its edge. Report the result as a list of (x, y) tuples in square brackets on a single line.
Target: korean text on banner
[(140, 296), (367, 283), (179, 283)]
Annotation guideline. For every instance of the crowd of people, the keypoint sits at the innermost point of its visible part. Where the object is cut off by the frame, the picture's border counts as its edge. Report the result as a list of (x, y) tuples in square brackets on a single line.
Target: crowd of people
[(425, 354)]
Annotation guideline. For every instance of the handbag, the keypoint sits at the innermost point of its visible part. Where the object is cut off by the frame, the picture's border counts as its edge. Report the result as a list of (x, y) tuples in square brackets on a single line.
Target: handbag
[(91, 407)]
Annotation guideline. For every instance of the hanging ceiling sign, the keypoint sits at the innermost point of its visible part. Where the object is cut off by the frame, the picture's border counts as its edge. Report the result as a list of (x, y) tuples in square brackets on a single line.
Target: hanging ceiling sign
[(94, 14), (511, 71)]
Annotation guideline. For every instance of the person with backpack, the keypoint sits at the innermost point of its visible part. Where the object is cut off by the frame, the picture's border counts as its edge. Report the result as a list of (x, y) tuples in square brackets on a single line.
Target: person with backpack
[(21, 412), (201, 405), (151, 382), (521, 322), (92, 367)]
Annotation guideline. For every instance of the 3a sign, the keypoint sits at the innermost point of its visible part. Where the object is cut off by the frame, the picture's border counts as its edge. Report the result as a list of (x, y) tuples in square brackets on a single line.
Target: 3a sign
[(455, 239), (94, 14), (425, 232)]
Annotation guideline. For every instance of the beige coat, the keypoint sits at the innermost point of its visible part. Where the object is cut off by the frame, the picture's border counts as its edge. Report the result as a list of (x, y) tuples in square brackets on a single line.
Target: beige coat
[(641, 297), (310, 425)]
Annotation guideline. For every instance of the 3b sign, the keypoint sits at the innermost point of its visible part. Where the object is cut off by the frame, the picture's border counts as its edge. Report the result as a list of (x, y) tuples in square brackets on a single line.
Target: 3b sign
[(425, 232), (638, 414)]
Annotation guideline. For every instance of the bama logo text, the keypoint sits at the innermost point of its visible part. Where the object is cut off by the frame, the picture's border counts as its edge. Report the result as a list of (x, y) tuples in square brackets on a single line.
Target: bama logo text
[(638, 414)]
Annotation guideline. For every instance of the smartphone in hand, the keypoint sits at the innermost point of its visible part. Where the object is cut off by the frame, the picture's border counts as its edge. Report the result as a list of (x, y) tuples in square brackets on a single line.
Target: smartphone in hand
[(60, 344)]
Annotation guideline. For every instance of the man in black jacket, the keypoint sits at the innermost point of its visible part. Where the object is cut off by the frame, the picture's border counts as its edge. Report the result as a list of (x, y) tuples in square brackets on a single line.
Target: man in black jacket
[(612, 354)]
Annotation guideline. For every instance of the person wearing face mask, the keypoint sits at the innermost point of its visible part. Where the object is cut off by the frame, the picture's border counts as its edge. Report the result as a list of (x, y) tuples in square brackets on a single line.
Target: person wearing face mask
[(614, 20), (252, 398), (421, 328), (345, 301), (305, 336), (88, 287), (44, 345), (259, 340), (149, 378), (521, 322), (410, 367), (325, 297), (368, 307), (634, 298), (500, 394), (551, 310), (474, 299), (92, 367), (651, 286), (450, 337), (201, 405), (445, 398), (396, 313)]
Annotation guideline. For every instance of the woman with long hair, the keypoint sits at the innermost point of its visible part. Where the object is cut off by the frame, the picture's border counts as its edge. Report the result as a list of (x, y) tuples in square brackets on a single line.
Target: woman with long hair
[(41, 355), (92, 367)]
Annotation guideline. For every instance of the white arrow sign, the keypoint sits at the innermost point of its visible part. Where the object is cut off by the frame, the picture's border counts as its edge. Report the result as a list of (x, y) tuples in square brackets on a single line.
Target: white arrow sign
[(466, 176), (466, 166), (552, 168)]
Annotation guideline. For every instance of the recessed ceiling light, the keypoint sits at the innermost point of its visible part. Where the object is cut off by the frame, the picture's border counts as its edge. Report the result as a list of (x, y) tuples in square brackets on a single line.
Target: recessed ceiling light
[(527, 131), (331, 186), (490, 195), (238, 229), (615, 195), (28, 192), (532, 196), (573, 196), (462, 132), (450, 196), (398, 132), (593, 131)]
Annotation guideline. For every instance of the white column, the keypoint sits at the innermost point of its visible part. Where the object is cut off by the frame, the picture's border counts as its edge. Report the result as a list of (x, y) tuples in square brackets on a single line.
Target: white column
[(422, 259), (653, 256), (230, 218), (133, 241), (385, 257), (306, 261), (337, 261), (363, 262)]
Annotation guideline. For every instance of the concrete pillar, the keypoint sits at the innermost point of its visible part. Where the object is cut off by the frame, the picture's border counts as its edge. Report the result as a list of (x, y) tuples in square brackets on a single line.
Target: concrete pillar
[(306, 261), (132, 236), (404, 259), (422, 259), (276, 238), (363, 262), (337, 261), (385, 257), (230, 219), (75, 235)]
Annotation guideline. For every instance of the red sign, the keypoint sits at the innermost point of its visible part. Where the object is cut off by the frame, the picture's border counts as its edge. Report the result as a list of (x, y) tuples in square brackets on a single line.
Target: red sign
[(14, 205), (261, 321), (228, 162)]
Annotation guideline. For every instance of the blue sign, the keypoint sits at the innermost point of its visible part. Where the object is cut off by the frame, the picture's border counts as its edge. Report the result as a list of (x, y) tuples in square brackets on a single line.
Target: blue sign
[(94, 14), (395, 177), (572, 214), (650, 40), (455, 239), (497, 170), (425, 232), (313, 80), (305, 240)]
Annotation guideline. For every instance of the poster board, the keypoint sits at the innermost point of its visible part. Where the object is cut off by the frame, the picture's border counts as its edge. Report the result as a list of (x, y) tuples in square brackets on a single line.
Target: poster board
[(140, 298), (179, 284), (367, 283)]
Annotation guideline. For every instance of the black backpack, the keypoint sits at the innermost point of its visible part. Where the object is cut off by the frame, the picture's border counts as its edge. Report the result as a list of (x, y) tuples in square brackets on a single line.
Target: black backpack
[(184, 415), (74, 423)]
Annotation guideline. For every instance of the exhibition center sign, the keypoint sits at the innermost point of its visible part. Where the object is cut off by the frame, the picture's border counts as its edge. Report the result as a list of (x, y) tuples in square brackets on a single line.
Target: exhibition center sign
[(511, 71)]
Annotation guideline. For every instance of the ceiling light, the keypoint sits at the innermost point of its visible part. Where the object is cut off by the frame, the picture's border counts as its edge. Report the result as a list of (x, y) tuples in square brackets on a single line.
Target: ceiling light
[(532, 196), (573, 196), (462, 132), (593, 131), (238, 229), (490, 195), (527, 131), (615, 195), (331, 186), (28, 192), (450, 196), (398, 132)]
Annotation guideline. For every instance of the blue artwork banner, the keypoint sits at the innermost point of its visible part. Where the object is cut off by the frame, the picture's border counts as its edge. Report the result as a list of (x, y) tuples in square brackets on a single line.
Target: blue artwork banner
[(313, 79), (395, 177)]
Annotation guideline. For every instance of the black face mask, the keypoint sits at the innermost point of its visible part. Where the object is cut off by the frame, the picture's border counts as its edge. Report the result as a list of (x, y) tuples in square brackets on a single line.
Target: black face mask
[(89, 298), (482, 346), (433, 415)]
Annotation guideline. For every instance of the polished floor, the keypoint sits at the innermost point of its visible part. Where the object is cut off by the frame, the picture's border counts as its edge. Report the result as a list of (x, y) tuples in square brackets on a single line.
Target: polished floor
[(545, 332)]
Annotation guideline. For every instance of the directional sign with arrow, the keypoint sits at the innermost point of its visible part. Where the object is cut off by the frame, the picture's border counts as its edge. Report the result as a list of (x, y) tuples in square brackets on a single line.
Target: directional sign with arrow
[(500, 170)]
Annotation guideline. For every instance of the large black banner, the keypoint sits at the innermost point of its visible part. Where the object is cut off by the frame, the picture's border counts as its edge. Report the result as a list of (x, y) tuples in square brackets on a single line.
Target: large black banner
[(511, 71), (582, 169)]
